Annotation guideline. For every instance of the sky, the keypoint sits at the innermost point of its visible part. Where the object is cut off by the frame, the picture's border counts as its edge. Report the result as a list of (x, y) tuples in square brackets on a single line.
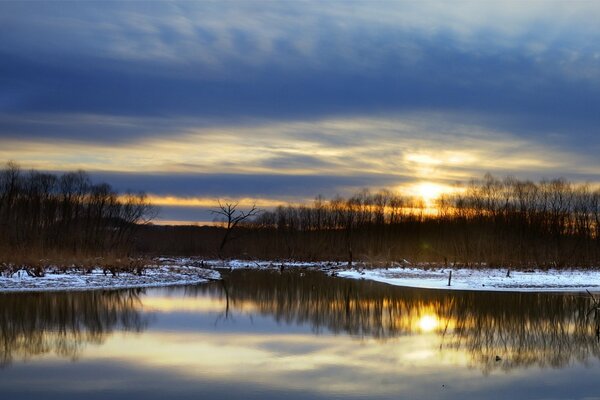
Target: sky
[(274, 102)]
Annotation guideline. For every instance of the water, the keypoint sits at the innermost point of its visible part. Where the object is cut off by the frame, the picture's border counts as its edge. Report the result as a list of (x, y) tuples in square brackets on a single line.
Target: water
[(264, 335)]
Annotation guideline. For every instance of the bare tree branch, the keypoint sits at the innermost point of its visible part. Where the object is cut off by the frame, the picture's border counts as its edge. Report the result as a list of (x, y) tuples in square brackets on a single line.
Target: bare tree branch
[(232, 217)]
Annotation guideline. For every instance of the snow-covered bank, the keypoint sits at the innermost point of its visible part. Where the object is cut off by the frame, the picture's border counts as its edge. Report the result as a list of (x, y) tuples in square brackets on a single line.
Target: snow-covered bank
[(186, 271), (243, 264), (488, 279), (170, 271), (483, 279), (167, 275)]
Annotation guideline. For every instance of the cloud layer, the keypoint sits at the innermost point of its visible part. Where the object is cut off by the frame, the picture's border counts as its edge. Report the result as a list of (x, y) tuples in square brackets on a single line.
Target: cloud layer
[(300, 98)]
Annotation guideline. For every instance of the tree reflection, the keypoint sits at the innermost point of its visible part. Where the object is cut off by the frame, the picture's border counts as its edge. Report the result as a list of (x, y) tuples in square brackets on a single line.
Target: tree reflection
[(522, 329), (33, 324)]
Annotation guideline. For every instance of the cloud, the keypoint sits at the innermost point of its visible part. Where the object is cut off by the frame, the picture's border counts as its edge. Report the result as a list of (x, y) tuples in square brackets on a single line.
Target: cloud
[(193, 187), (324, 95), (255, 33), (409, 147), (297, 60)]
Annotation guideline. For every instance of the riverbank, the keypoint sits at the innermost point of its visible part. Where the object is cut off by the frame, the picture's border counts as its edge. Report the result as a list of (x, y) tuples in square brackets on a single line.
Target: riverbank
[(427, 277), (488, 279), (97, 278), (170, 271)]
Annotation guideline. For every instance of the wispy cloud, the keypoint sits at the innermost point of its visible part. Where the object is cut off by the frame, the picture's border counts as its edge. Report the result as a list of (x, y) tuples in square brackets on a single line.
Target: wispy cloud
[(219, 34), (410, 147)]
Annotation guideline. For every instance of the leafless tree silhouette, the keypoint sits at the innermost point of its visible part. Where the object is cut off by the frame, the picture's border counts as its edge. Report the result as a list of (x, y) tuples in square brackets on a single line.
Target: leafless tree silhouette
[(232, 217), (43, 213)]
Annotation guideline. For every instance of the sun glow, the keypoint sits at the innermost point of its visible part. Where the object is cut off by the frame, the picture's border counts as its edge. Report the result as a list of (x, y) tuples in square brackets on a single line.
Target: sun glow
[(429, 192)]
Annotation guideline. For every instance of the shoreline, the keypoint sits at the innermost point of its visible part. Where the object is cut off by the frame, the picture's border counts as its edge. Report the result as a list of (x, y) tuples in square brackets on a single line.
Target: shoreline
[(153, 276), (488, 280), (174, 271)]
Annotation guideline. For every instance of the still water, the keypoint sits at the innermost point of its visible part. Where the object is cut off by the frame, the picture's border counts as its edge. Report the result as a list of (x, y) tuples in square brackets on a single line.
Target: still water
[(265, 335)]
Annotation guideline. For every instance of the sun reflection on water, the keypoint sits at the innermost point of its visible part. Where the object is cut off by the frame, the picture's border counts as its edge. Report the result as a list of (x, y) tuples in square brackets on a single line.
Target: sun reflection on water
[(428, 323)]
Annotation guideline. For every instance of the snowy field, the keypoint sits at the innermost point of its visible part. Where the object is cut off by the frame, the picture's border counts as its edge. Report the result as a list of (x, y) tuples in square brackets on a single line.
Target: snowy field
[(165, 275), (185, 271), (483, 279)]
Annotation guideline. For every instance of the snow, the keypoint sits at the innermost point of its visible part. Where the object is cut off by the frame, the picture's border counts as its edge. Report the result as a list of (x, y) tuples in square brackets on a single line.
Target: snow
[(153, 276), (247, 264), (483, 279), (186, 271), (244, 264)]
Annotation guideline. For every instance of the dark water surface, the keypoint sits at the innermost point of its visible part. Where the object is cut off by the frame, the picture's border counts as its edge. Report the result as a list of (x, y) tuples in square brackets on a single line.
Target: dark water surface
[(264, 335)]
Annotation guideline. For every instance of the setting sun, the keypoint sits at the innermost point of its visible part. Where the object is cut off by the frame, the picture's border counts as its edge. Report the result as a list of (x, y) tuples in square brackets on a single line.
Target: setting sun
[(429, 191)]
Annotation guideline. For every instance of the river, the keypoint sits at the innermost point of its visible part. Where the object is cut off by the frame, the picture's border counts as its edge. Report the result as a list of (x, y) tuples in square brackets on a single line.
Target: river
[(297, 335)]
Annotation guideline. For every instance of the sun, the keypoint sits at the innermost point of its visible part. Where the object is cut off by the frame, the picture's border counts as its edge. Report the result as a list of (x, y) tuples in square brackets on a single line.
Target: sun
[(429, 191)]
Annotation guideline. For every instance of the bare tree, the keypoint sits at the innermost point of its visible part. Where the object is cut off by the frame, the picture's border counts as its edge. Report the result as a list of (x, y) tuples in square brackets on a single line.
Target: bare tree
[(232, 217), (45, 213)]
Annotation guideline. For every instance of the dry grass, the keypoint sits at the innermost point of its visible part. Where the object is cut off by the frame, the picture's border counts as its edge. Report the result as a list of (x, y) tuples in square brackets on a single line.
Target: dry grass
[(37, 264)]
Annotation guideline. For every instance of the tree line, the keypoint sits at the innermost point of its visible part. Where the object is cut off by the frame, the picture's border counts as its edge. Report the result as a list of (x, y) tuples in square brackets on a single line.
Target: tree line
[(44, 213), (495, 222)]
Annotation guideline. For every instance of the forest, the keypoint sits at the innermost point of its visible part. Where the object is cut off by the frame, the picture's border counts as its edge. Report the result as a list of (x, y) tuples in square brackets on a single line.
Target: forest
[(508, 222), (493, 222), (489, 222), (56, 216)]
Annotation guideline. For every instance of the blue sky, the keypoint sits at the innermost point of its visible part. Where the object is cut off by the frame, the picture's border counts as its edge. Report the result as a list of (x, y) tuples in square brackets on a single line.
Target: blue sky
[(280, 101)]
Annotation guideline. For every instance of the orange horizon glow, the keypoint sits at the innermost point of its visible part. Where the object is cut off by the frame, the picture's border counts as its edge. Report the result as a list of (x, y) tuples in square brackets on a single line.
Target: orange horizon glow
[(211, 202), (426, 191), (424, 198), (181, 222)]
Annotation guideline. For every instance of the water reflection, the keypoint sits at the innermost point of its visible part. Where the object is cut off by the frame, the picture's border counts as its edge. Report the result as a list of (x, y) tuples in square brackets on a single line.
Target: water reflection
[(496, 330), (493, 331), (35, 324)]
